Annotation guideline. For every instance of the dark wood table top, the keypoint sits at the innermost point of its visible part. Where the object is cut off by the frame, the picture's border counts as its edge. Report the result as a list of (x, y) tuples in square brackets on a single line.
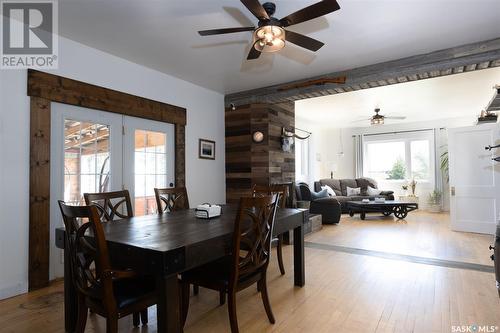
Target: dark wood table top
[(177, 241), (175, 230), (165, 245)]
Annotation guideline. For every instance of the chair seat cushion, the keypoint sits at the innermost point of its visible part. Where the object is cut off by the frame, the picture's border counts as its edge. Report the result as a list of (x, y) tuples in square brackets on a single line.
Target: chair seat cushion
[(130, 291)]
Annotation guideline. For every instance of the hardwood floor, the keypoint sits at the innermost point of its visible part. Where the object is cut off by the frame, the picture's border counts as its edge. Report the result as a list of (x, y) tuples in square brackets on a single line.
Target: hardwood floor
[(421, 234), (344, 292)]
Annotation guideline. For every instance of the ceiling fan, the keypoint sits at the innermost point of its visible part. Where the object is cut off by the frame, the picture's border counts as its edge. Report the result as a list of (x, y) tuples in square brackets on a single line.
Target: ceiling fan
[(270, 35), (378, 119)]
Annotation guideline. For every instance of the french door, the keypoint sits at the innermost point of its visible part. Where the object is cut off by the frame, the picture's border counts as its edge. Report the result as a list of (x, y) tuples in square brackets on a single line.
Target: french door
[(97, 151), (148, 161)]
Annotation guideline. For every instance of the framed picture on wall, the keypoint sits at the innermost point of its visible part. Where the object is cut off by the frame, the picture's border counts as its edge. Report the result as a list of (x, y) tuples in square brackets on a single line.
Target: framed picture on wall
[(207, 149)]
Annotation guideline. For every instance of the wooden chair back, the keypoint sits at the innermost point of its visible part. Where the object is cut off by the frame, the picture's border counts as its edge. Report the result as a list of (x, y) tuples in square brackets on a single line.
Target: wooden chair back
[(90, 265), (281, 189), (252, 236), (171, 199), (111, 205)]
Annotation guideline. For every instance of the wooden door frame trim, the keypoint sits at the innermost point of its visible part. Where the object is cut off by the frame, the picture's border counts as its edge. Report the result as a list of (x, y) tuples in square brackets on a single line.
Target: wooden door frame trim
[(44, 88)]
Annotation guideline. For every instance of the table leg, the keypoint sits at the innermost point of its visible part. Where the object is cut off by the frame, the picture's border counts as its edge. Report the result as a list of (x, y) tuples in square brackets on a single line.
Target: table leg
[(70, 300), (298, 256), (168, 307)]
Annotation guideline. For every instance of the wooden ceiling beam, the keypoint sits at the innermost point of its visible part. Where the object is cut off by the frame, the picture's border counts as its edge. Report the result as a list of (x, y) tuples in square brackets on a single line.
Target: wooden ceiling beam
[(454, 60)]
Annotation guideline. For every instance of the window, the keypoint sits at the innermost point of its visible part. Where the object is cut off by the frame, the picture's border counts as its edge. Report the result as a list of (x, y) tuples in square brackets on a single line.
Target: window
[(400, 156), (301, 159)]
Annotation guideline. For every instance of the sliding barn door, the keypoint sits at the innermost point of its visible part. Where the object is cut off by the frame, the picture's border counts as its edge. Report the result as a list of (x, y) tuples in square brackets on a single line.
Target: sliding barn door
[(474, 178)]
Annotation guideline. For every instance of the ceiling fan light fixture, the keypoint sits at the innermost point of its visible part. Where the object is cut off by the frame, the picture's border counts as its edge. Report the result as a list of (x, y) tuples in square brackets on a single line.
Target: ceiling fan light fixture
[(269, 38), (377, 120)]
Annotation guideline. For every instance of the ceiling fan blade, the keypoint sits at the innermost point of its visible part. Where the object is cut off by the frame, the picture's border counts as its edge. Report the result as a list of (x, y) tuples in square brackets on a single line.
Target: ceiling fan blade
[(256, 9), (303, 41), (395, 117), (318, 9), (224, 31), (254, 53), (360, 120)]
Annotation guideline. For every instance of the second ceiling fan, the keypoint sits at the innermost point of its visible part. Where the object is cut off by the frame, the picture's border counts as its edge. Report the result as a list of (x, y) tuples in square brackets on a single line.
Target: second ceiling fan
[(270, 34)]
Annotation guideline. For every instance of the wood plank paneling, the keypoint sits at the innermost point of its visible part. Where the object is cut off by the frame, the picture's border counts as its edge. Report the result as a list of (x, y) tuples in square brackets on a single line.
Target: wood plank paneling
[(249, 163), (68, 91), (180, 155), (39, 216)]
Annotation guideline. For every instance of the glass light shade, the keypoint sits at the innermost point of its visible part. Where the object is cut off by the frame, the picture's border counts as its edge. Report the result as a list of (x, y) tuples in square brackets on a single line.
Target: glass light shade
[(377, 121), (269, 38), (258, 136)]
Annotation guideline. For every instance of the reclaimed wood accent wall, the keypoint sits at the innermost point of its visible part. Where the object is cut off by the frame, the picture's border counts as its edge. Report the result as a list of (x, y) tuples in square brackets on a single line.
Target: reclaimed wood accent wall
[(248, 162), (44, 88)]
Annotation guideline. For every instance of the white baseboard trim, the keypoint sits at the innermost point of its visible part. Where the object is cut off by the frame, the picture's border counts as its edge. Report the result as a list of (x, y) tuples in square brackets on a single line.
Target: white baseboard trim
[(14, 290)]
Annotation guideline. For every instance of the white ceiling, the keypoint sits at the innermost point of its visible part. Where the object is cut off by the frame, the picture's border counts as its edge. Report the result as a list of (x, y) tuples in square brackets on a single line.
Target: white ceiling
[(162, 34), (453, 96)]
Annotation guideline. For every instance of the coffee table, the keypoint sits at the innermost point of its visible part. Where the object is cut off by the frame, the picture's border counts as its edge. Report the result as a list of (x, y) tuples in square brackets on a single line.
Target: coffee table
[(400, 209)]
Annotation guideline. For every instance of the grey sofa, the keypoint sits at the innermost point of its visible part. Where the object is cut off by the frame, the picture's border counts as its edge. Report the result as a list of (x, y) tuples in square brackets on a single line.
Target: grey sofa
[(328, 207), (339, 186)]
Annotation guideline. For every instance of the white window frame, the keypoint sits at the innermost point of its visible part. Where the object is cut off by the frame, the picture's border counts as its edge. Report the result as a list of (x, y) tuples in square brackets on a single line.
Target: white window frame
[(407, 138), (302, 155)]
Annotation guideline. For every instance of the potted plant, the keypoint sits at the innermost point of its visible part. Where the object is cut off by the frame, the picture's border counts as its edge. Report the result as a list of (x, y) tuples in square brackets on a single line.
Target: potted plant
[(434, 201)]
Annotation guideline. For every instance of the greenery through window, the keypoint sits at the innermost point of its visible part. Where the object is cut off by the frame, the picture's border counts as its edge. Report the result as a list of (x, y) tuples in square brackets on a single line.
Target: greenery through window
[(399, 157)]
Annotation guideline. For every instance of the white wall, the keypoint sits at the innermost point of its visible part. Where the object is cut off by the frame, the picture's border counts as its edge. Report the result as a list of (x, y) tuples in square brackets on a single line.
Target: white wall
[(326, 142), (205, 119), (325, 148)]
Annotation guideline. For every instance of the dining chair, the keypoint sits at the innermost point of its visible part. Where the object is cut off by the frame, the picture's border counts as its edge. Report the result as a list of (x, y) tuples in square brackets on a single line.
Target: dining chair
[(247, 264), (108, 292), (171, 199), (111, 206), (282, 190)]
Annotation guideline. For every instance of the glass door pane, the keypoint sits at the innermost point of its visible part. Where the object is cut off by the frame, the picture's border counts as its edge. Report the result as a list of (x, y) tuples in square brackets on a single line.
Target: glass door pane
[(150, 169), (148, 161), (86, 159)]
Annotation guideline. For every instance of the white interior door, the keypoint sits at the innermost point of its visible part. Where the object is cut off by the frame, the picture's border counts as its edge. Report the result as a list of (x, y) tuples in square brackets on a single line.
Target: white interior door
[(86, 156), (149, 161), (474, 182)]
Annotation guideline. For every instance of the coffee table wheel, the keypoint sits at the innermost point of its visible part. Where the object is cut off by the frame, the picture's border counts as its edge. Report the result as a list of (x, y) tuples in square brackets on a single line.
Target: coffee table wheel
[(362, 215), (351, 213), (400, 212), (386, 213)]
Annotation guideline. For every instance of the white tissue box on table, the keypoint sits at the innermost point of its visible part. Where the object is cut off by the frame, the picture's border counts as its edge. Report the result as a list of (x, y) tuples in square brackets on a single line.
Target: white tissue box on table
[(207, 211)]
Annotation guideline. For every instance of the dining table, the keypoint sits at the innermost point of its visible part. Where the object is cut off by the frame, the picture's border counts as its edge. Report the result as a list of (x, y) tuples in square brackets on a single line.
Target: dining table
[(165, 245)]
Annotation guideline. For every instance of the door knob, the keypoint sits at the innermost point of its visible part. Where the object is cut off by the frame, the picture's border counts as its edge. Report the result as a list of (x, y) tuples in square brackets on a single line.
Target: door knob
[(492, 257), (171, 184), (492, 247)]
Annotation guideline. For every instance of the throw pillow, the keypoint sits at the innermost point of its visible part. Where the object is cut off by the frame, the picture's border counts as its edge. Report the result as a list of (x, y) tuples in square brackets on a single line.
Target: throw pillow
[(372, 191), (330, 190), (353, 191), (320, 194)]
